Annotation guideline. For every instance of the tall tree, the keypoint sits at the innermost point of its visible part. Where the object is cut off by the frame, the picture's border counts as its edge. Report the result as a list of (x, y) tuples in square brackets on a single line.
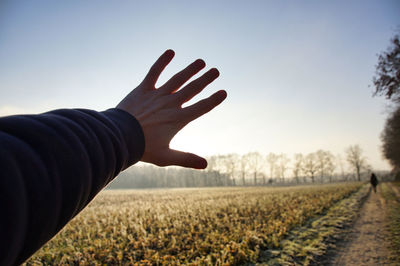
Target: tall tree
[(310, 166), (387, 82), (339, 162), (387, 78), (324, 163), (356, 159), (243, 167), (213, 168), (230, 166), (298, 166), (255, 164), (391, 141), (272, 159), (283, 162), (330, 167)]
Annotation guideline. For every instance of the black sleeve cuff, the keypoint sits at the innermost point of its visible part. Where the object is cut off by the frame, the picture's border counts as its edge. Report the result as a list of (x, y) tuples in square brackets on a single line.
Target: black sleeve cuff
[(132, 133)]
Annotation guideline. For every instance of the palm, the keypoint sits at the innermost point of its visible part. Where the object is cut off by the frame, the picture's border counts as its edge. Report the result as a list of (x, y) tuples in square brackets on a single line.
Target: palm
[(160, 112)]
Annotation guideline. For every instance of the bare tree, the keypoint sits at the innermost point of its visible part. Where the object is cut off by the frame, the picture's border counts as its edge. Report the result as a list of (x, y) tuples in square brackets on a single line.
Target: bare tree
[(272, 159), (324, 163), (282, 163), (320, 156), (387, 82), (310, 165), (255, 164), (298, 166), (211, 163), (356, 159), (213, 169), (243, 168), (330, 167), (230, 166), (387, 79), (340, 163)]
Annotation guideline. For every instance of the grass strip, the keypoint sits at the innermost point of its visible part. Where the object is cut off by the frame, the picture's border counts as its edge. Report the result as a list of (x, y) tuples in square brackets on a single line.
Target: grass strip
[(393, 218), (308, 244)]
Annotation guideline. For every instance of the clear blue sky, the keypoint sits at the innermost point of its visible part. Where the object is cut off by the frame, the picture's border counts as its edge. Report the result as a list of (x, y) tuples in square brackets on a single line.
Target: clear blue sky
[(297, 72)]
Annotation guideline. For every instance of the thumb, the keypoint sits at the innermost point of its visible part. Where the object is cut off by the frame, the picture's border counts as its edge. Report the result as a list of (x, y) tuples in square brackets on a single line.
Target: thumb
[(185, 159)]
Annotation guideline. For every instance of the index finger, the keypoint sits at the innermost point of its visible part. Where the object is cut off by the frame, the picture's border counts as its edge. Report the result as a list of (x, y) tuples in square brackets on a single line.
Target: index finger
[(158, 67)]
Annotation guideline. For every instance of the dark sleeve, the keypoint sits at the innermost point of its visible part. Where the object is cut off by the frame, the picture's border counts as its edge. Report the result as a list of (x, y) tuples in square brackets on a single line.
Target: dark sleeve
[(51, 167)]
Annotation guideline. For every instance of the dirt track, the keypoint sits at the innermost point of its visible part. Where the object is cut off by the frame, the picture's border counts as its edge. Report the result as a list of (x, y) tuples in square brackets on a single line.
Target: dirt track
[(366, 244)]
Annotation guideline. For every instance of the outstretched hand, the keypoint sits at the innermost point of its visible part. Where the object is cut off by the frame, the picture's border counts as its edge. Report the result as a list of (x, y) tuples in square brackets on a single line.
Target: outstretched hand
[(160, 113)]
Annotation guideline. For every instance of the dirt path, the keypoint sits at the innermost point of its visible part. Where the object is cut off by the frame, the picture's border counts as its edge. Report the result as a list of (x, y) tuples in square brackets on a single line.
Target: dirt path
[(366, 244)]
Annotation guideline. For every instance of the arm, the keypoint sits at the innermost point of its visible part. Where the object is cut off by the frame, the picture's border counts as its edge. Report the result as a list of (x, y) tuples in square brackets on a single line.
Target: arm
[(53, 164)]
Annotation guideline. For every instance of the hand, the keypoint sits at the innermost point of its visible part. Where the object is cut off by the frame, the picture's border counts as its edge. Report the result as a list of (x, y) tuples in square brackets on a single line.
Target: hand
[(160, 113)]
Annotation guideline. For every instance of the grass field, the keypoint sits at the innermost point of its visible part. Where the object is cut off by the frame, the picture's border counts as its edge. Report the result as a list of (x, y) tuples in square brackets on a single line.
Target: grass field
[(391, 193), (215, 226)]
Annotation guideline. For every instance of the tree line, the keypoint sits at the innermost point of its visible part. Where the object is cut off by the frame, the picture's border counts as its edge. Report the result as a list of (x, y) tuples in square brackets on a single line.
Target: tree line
[(253, 169), (387, 83)]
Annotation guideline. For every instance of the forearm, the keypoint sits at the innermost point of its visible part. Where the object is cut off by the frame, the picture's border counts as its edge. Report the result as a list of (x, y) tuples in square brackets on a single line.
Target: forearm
[(52, 165)]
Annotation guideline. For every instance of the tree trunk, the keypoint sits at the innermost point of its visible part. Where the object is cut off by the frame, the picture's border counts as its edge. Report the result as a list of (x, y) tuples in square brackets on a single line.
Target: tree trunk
[(397, 175)]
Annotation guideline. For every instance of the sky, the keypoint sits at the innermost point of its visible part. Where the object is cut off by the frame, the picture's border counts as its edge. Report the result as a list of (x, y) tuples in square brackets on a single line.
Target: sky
[(298, 73)]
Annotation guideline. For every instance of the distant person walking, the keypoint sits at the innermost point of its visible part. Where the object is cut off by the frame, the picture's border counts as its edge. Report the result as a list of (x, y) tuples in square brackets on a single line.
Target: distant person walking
[(374, 181)]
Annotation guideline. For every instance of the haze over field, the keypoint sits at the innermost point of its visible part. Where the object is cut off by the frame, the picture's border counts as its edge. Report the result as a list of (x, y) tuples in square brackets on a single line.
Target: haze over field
[(297, 73)]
